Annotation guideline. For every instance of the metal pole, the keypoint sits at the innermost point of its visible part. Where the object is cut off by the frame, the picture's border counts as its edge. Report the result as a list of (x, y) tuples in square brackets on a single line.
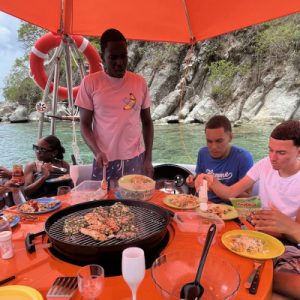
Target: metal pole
[(192, 37), (54, 95), (74, 49), (69, 73), (46, 90)]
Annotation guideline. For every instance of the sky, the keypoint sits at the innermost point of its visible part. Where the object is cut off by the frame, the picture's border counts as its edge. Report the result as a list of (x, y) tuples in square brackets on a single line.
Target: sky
[(10, 48)]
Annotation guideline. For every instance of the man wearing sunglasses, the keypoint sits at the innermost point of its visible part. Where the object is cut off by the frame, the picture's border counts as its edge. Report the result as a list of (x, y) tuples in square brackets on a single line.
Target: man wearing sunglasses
[(115, 119)]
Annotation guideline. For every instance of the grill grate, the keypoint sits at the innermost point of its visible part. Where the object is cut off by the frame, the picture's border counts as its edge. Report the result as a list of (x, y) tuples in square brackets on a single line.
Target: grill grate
[(147, 221)]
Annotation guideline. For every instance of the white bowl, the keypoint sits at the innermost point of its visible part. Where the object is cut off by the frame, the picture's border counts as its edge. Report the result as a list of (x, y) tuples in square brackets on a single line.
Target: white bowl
[(136, 187)]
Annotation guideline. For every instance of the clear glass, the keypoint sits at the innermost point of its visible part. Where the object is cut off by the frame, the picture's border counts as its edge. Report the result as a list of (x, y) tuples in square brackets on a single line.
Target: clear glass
[(217, 286), (133, 268), (4, 224), (169, 186), (62, 190), (90, 281)]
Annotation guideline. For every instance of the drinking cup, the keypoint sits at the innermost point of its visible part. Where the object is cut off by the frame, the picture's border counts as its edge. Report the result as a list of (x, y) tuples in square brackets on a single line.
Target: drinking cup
[(62, 190), (90, 281), (6, 247), (133, 268), (4, 224), (169, 186)]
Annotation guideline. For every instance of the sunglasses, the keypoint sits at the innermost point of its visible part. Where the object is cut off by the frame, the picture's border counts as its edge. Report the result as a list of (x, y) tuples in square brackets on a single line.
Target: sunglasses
[(38, 149)]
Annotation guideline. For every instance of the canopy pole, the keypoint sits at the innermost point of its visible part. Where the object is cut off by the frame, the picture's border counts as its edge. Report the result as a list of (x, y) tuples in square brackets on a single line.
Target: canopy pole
[(46, 91), (69, 45), (55, 94), (188, 20), (68, 73), (74, 50)]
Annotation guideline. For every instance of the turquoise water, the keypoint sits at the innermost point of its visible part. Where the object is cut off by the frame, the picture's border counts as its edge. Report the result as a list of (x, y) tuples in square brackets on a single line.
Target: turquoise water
[(174, 143)]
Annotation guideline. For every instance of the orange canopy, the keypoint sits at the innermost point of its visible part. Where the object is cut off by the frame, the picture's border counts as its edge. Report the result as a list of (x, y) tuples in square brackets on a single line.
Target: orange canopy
[(153, 20)]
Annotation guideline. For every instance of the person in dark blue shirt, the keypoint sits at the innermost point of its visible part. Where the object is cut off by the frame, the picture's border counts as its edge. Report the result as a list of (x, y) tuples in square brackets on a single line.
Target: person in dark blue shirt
[(226, 162)]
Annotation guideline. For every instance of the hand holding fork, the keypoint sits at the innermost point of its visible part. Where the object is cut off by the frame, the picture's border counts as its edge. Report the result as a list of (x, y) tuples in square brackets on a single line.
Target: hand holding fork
[(104, 184)]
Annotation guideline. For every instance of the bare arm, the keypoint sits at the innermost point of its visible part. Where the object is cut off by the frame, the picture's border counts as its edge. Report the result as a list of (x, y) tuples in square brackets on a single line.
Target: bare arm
[(5, 173), (272, 220), (31, 187), (287, 284), (148, 133), (86, 122), (223, 191)]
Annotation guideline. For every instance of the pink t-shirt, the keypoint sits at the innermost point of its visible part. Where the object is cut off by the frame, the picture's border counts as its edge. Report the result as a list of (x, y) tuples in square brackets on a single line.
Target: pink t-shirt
[(117, 104)]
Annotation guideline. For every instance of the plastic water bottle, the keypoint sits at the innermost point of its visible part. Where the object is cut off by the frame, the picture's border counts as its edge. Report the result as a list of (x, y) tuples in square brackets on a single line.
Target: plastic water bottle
[(203, 197)]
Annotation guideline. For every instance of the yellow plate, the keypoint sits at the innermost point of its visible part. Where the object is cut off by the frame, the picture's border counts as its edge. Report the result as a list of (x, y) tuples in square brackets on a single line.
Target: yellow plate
[(168, 201), (229, 211), (272, 247), (19, 292)]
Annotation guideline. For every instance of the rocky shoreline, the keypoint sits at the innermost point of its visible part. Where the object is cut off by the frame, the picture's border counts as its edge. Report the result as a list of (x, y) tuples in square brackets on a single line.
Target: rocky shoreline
[(16, 113), (231, 75)]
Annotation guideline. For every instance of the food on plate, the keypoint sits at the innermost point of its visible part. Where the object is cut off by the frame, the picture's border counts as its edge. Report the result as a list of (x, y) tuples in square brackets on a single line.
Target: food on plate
[(182, 201), (2, 221), (103, 223), (242, 243), (10, 217), (33, 206), (220, 210)]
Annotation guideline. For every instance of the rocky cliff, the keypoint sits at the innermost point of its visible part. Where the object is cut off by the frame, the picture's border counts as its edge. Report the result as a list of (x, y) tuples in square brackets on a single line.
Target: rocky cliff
[(249, 75)]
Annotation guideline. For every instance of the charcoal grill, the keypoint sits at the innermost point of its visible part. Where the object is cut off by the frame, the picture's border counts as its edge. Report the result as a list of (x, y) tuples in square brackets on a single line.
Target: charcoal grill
[(151, 222)]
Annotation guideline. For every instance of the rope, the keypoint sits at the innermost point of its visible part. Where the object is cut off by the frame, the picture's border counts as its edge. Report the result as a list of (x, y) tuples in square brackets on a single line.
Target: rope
[(73, 112), (75, 147)]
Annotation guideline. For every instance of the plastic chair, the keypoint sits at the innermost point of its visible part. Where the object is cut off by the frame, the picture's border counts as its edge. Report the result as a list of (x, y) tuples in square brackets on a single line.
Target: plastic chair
[(173, 172)]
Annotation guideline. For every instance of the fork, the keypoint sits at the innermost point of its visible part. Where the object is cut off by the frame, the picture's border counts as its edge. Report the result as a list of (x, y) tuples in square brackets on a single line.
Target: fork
[(104, 181), (240, 223), (64, 170), (62, 288), (257, 265)]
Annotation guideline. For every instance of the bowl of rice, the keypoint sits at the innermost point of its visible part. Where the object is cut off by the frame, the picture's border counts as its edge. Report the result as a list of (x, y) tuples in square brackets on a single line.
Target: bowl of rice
[(136, 187)]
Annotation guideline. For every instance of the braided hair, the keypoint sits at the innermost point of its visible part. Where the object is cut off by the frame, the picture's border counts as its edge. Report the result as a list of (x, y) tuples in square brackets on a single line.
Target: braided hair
[(55, 144)]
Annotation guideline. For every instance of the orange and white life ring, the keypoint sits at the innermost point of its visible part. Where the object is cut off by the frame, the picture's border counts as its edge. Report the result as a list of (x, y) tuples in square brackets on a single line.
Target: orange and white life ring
[(49, 41)]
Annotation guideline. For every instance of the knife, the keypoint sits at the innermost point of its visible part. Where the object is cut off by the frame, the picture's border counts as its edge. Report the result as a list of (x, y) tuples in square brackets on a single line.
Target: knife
[(240, 223), (255, 282), (7, 279), (250, 278)]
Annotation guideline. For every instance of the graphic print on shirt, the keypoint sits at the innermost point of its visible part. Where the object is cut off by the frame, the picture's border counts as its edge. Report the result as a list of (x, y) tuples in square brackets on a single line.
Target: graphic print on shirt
[(130, 103), (220, 176)]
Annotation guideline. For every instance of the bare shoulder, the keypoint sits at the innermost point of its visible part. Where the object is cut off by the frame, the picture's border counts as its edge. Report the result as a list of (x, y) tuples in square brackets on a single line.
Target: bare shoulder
[(30, 166)]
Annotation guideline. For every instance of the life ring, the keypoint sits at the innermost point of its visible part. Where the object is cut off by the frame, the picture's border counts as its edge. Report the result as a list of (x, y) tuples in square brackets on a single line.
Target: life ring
[(49, 41)]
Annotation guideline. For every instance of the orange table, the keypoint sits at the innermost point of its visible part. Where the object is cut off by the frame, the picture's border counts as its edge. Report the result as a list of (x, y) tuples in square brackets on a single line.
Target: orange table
[(40, 269)]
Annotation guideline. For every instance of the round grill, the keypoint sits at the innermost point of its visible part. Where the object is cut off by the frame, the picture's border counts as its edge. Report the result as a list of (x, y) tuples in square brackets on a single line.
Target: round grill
[(147, 221), (151, 222)]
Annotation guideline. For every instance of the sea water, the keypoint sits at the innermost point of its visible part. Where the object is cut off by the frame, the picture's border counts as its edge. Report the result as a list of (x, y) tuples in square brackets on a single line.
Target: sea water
[(173, 143)]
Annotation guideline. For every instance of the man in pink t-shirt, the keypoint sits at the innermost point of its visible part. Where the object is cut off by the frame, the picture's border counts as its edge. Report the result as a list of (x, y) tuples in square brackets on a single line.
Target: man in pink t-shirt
[(115, 119)]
